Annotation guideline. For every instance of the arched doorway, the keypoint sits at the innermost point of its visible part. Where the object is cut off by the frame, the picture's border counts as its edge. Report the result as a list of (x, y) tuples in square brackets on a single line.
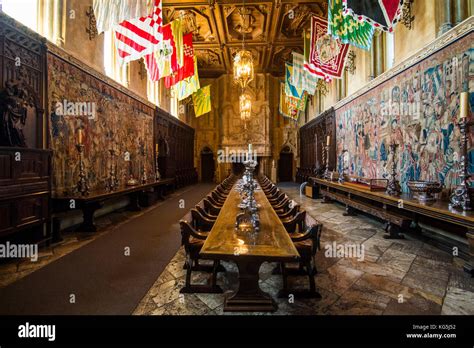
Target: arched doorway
[(207, 165), (285, 165)]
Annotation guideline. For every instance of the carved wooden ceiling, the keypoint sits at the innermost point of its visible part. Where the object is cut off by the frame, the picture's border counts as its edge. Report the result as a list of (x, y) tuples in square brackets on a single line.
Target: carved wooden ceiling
[(272, 30)]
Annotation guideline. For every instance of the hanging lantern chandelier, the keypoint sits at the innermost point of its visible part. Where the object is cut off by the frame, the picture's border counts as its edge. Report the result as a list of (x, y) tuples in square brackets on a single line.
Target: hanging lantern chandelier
[(243, 68), (245, 104)]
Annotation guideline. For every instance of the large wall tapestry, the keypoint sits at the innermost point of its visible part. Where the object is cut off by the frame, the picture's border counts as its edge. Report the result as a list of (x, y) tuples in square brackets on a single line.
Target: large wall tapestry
[(110, 118), (417, 109)]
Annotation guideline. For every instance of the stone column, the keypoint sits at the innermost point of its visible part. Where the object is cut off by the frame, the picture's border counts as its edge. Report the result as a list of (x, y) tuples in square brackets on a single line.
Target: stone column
[(444, 16), (460, 11), (372, 60), (379, 58)]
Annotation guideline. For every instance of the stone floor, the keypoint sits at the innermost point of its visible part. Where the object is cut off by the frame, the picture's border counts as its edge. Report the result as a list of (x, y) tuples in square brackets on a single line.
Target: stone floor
[(395, 276), (13, 270)]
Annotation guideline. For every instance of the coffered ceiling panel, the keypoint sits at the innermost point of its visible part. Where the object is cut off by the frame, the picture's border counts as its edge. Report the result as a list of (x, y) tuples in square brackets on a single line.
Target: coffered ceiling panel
[(271, 29)]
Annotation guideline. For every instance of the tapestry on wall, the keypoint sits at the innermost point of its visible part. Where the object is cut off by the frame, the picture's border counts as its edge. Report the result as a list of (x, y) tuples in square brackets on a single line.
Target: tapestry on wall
[(417, 109), (111, 120)]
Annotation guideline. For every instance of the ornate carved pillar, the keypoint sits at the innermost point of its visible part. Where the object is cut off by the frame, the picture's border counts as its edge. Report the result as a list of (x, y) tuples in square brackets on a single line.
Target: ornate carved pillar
[(444, 16)]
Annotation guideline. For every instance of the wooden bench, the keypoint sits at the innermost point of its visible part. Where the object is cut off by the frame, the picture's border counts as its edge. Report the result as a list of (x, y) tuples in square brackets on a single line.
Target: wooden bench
[(394, 222)]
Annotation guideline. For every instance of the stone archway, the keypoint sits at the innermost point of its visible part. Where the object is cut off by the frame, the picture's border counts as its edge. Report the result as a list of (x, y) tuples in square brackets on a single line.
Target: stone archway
[(207, 165), (285, 164)]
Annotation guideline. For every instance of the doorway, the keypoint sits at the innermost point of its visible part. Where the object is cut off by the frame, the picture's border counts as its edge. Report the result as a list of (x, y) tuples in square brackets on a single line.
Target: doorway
[(285, 165), (207, 165)]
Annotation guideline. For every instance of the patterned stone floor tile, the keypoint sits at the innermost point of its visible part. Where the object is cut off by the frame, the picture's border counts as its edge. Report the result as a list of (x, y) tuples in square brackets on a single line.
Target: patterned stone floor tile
[(168, 292), (458, 301), (338, 278), (397, 260), (415, 305)]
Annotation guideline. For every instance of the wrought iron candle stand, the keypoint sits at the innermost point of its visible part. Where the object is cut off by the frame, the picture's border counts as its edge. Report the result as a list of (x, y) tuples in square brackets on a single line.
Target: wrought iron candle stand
[(460, 198), (82, 185), (144, 178), (326, 162), (112, 181), (341, 179), (157, 171), (393, 186), (131, 181)]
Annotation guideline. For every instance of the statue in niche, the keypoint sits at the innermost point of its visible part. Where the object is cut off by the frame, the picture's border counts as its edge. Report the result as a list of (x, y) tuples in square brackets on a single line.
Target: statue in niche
[(13, 108)]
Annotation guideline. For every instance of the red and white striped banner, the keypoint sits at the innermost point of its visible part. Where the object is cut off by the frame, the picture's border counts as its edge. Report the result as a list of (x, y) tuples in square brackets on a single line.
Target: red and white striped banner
[(138, 37)]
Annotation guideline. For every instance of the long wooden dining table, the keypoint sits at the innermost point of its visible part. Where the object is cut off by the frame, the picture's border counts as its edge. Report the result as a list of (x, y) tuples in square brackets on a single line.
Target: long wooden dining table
[(249, 250)]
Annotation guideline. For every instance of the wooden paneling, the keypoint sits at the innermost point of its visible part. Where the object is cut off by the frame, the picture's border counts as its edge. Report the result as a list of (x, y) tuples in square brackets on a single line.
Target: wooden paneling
[(312, 141)]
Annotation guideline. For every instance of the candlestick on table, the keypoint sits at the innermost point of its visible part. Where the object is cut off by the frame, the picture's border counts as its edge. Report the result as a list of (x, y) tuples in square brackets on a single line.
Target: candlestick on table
[(82, 185), (461, 197), (464, 106), (328, 140), (79, 136)]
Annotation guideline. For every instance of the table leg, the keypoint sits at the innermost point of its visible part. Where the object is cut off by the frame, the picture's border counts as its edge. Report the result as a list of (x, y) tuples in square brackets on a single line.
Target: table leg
[(469, 266), (349, 211), (249, 297), (393, 232), (134, 202), (88, 211)]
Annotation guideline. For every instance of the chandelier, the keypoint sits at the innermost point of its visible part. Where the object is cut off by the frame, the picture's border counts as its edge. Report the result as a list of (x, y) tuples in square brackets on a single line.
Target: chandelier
[(245, 104), (243, 68)]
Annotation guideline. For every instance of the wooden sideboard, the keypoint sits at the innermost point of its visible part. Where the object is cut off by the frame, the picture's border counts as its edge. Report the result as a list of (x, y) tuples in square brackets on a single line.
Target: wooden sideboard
[(25, 189), (404, 213)]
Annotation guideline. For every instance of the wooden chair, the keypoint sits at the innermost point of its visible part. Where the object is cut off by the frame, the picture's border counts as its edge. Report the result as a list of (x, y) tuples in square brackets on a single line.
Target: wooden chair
[(205, 213), (200, 222), (193, 241), (285, 216), (296, 221), (210, 208), (307, 243), (217, 197), (214, 202)]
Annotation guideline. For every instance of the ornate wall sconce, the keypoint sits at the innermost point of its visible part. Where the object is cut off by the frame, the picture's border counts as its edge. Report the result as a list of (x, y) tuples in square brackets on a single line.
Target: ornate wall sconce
[(407, 18), (92, 25), (350, 62)]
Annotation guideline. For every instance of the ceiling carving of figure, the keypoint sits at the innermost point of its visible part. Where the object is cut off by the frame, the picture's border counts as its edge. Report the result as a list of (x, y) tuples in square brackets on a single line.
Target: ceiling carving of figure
[(208, 59), (245, 26)]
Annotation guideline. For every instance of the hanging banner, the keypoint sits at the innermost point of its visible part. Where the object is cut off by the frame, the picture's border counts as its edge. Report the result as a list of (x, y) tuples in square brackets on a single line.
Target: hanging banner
[(288, 106), (202, 101), (109, 13), (327, 54), (347, 29), (138, 37), (382, 14), (188, 86), (290, 89), (186, 69), (165, 61), (308, 81)]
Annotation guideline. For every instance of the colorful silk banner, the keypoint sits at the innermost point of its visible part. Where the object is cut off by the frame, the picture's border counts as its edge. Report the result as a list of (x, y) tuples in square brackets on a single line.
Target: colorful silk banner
[(382, 14), (307, 80), (188, 86), (202, 101), (327, 54), (347, 29)]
